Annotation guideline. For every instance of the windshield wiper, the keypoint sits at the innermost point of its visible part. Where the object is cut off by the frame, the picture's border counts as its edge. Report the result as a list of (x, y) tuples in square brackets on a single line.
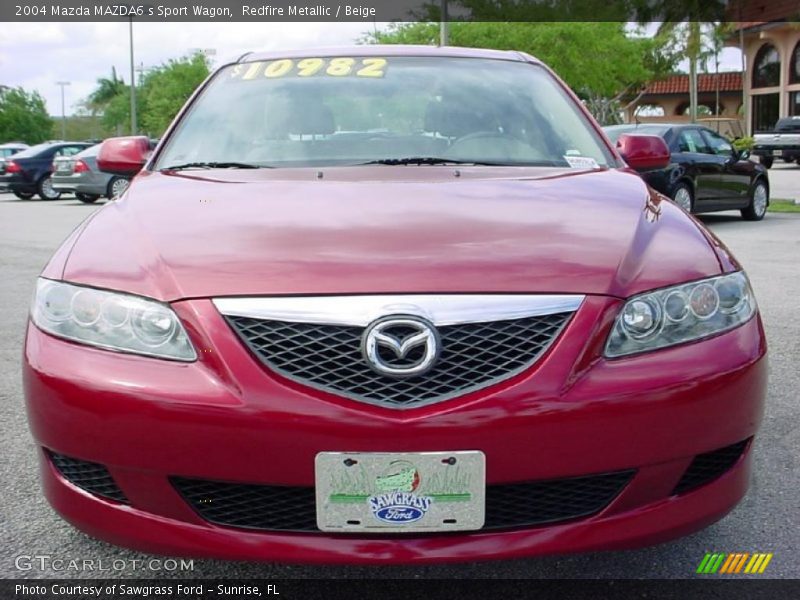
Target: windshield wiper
[(436, 160), (426, 160), (213, 165)]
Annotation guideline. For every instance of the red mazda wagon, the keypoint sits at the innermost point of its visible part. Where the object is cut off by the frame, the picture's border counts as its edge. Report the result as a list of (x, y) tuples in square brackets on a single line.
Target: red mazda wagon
[(391, 305)]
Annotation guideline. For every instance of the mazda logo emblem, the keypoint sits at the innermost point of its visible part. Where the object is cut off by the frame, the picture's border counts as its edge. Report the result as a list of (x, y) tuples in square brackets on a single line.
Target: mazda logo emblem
[(401, 346)]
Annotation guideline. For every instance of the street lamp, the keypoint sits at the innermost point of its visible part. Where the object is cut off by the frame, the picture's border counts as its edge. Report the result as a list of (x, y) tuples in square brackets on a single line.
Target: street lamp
[(133, 79), (143, 8), (444, 34), (62, 85)]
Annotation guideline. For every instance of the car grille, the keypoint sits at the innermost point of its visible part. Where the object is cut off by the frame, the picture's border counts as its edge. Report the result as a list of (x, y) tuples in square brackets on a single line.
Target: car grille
[(508, 506), (329, 357), (707, 467), (89, 476)]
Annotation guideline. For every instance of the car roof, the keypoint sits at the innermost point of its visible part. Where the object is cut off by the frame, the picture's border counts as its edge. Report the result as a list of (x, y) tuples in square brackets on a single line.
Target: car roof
[(390, 50), (34, 151)]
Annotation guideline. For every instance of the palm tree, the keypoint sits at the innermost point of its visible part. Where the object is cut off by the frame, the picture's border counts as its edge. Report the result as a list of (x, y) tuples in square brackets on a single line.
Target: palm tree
[(107, 89), (683, 21)]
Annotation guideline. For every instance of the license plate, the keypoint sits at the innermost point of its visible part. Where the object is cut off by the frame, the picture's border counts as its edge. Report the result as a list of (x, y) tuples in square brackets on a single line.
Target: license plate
[(64, 167), (400, 492), (777, 152)]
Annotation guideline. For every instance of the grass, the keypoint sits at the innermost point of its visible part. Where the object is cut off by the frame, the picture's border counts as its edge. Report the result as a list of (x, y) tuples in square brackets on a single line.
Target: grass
[(783, 206)]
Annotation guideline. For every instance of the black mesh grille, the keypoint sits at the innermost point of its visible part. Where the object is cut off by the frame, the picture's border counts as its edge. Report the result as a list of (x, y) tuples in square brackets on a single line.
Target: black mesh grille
[(707, 467), (509, 506), (89, 476), (328, 357)]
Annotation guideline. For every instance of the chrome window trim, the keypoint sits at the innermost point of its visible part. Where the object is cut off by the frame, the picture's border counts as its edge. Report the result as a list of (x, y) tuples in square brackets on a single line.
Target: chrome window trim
[(360, 311)]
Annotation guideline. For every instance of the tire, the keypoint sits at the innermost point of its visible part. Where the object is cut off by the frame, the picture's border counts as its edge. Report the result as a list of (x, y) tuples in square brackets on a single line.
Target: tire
[(682, 196), (767, 161), (116, 187), (24, 195), (86, 198), (45, 189), (759, 200)]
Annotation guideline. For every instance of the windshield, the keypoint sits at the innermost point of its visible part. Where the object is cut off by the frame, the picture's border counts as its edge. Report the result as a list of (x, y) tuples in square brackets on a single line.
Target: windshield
[(367, 110)]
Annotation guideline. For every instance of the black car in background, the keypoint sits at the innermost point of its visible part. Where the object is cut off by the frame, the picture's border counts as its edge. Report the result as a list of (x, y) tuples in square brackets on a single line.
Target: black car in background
[(7, 150), (706, 172), (28, 172)]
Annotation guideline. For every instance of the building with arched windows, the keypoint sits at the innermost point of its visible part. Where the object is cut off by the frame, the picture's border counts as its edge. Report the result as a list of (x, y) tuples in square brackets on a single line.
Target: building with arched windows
[(772, 73)]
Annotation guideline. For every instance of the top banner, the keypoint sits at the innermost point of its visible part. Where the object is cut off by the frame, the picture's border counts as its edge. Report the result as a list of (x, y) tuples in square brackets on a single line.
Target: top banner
[(752, 12)]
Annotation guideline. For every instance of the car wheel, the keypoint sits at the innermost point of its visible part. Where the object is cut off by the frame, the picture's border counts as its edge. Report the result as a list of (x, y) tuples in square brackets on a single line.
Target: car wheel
[(116, 187), (24, 195), (86, 198), (767, 161), (759, 199), (682, 196), (46, 190)]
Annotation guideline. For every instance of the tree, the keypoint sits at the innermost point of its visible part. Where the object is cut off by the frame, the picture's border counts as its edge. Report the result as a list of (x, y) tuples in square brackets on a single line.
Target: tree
[(683, 22), (107, 89), (165, 90), (23, 116), (160, 95), (599, 60)]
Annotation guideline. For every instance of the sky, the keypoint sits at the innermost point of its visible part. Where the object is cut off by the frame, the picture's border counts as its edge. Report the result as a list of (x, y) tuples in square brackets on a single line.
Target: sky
[(37, 55)]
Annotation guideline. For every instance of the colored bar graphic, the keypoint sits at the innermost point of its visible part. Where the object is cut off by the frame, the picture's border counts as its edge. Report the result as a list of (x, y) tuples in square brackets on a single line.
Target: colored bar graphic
[(740, 564), (732, 558), (765, 563), (723, 563), (702, 567)]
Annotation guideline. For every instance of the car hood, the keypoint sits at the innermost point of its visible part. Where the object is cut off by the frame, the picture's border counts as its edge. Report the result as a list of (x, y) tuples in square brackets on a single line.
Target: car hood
[(388, 230)]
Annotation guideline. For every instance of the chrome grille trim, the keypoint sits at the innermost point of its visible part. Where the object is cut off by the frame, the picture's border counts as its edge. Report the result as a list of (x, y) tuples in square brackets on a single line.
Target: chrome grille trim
[(360, 311), (318, 341)]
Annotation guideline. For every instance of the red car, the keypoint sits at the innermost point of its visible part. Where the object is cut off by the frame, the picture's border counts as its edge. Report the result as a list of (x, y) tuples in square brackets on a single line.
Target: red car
[(391, 305)]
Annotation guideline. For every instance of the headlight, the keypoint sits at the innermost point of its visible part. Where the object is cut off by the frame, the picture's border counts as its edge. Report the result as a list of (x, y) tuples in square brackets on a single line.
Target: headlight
[(682, 313), (110, 320)]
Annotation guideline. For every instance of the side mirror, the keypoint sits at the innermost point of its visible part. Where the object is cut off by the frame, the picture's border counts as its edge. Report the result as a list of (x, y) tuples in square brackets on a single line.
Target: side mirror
[(124, 156), (743, 154), (644, 152)]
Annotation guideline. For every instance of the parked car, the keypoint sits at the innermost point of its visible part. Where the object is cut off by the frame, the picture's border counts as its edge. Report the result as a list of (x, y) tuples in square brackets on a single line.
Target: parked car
[(706, 173), (11, 148), (464, 330), (28, 172), (7, 150), (783, 142), (79, 174)]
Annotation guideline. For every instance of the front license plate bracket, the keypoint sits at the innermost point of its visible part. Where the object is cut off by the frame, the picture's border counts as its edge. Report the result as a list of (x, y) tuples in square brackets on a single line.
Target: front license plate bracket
[(400, 492)]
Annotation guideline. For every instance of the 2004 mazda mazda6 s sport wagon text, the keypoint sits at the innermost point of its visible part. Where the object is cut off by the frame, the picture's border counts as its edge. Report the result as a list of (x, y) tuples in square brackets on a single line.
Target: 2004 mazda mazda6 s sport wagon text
[(391, 305)]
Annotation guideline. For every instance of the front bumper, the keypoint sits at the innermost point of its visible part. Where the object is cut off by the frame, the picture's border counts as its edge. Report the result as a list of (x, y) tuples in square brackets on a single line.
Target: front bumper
[(224, 418)]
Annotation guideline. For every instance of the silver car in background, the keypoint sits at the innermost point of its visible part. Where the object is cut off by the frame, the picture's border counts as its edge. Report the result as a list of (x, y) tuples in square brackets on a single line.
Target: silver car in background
[(79, 174)]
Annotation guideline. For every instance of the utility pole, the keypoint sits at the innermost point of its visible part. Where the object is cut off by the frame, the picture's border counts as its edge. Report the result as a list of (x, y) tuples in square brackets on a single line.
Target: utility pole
[(444, 34), (133, 79), (62, 85)]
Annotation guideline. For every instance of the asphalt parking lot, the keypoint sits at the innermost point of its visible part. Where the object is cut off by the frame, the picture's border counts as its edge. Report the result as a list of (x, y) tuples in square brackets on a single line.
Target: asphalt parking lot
[(766, 521), (784, 180)]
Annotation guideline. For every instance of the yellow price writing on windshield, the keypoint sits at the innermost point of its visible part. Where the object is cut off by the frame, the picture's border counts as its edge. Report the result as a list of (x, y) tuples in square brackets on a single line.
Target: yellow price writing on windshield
[(340, 66)]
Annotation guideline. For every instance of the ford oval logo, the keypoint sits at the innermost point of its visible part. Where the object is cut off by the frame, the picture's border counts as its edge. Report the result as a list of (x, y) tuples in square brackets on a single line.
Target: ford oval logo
[(399, 514), (399, 507)]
